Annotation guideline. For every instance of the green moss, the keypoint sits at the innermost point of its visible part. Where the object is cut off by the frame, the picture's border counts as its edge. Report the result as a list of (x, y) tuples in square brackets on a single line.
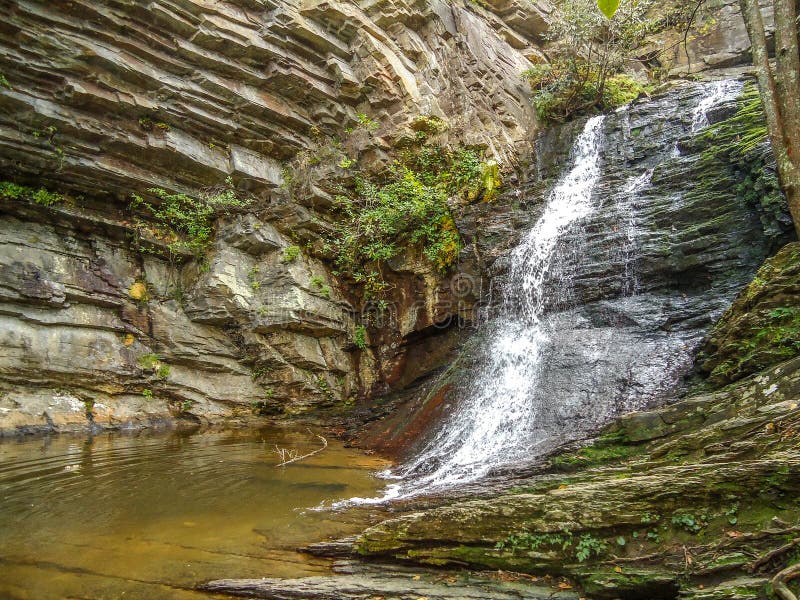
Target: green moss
[(596, 455)]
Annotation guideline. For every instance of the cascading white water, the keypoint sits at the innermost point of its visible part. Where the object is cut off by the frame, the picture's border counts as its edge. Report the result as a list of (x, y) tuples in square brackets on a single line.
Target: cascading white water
[(497, 420), (494, 425), (714, 94)]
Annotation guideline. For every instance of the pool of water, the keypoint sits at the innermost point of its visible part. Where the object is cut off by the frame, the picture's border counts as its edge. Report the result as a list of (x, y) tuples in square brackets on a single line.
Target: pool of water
[(153, 515)]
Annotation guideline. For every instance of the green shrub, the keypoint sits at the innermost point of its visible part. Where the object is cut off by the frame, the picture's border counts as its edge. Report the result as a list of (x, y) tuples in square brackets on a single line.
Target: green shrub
[(41, 196), (406, 205), (290, 253), (360, 337), (570, 86), (186, 221)]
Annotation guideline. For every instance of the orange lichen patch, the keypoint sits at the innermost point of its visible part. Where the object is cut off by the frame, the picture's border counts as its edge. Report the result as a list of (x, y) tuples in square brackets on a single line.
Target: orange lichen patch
[(129, 339)]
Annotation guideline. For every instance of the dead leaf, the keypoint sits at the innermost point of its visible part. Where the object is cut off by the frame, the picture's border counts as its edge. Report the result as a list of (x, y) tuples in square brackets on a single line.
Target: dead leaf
[(734, 534), (416, 578), (617, 569), (563, 585)]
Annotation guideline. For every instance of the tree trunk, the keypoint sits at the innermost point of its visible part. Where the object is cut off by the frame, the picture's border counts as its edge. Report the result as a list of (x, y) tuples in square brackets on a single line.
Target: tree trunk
[(780, 91)]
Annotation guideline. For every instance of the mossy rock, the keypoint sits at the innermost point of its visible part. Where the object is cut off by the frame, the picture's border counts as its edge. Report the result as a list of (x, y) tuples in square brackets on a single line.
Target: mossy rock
[(762, 327)]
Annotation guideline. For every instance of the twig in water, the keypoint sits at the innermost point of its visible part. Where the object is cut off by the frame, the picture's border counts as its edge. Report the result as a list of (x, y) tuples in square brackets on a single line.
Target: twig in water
[(290, 456)]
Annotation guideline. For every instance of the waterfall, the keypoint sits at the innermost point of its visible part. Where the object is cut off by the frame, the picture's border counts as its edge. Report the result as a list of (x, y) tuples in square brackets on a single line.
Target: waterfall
[(505, 413), (495, 424), (714, 94)]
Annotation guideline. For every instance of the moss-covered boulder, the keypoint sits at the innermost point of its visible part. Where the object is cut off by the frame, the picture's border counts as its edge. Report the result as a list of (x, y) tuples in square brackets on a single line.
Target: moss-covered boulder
[(762, 327)]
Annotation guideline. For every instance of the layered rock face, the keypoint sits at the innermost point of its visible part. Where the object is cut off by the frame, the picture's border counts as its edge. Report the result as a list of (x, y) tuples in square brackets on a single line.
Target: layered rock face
[(102, 100), (108, 99)]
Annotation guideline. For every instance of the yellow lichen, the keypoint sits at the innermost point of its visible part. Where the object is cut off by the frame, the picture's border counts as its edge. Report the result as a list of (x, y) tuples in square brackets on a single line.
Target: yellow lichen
[(138, 291)]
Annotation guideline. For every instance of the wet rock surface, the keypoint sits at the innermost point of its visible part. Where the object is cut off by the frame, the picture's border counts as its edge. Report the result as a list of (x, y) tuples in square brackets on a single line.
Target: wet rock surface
[(685, 499), (637, 285), (358, 581), (762, 326)]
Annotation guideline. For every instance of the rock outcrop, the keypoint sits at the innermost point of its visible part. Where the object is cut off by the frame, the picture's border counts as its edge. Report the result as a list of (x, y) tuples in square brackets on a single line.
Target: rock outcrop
[(117, 98), (638, 284)]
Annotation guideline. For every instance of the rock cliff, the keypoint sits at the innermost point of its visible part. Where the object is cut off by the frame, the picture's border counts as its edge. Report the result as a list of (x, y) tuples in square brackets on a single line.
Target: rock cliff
[(121, 97), (106, 323)]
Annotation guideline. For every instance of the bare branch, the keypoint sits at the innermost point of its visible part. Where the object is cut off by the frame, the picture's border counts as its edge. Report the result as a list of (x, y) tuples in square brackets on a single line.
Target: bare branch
[(290, 456)]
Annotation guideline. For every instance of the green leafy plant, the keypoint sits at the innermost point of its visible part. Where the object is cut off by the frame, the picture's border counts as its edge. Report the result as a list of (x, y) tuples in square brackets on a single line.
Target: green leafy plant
[(584, 70), (319, 283), (584, 547), (360, 337), (41, 196), (252, 276), (187, 221), (689, 522), (588, 545), (367, 123), (147, 393), (407, 205), (290, 253)]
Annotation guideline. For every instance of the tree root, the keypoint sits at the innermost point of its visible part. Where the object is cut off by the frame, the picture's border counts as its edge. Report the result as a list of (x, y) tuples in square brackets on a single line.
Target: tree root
[(779, 582), (769, 556)]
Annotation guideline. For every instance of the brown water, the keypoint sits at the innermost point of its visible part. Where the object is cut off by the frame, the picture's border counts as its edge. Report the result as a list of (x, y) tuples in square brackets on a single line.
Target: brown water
[(151, 516)]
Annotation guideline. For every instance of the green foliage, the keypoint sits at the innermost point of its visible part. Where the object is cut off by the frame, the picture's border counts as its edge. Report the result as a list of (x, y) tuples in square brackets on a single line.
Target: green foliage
[(360, 337), (608, 7), (731, 514), (407, 205), (689, 522), (153, 362), (147, 393), (4, 81), (252, 277), (149, 361), (367, 123), (584, 69), (568, 86), (41, 196), (588, 545), (290, 253), (584, 547), (649, 517), (319, 283), (264, 407), (187, 221)]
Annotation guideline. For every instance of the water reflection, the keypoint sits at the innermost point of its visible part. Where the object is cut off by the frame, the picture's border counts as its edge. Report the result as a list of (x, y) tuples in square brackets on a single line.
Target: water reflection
[(153, 515)]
